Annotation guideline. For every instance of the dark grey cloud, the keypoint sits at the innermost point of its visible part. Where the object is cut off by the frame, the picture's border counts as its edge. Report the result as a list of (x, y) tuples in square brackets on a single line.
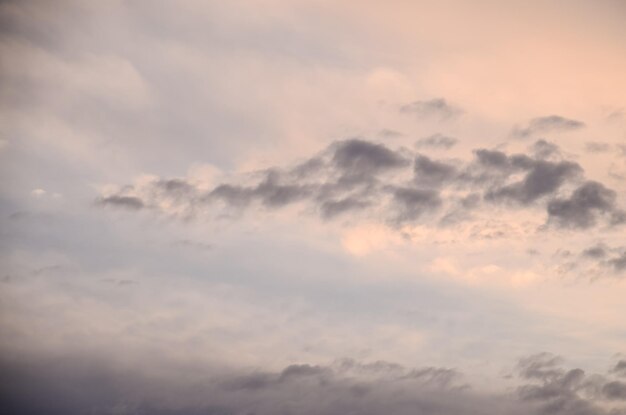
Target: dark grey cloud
[(493, 159), (358, 176), (564, 391), (233, 195), (550, 123), (595, 252), (540, 178), (615, 390), (270, 192), (494, 165), (432, 173), (332, 208), (359, 159), (581, 208), (412, 203), (437, 108), (79, 385), (176, 187), (543, 149), (436, 141), (263, 380), (308, 168), (343, 178), (543, 178), (127, 202)]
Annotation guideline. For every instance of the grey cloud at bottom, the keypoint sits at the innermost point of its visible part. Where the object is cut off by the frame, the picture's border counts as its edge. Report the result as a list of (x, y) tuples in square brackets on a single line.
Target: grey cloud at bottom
[(91, 385)]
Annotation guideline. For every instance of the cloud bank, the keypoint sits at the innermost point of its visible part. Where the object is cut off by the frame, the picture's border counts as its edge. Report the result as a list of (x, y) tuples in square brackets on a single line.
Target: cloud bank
[(79, 386), (396, 186)]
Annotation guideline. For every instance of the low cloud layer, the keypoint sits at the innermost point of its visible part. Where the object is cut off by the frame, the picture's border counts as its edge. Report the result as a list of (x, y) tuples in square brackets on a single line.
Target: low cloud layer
[(78, 386)]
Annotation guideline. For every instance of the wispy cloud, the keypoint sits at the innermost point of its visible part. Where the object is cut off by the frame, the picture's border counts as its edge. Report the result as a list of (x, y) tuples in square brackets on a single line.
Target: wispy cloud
[(436, 108), (546, 125)]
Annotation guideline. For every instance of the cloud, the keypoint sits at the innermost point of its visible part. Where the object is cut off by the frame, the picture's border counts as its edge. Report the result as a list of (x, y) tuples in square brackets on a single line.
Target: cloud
[(77, 386), (332, 208), (620, 368), (581, 208), (371, 179), (615, 390), (388, 133), (270, 192), (618, 263), (436, 141), (543, 149), (599, 261), (597, 147), (541, 366), (437, 108), (563, 391), (432, 173), (596, 252), (542, 179), (127, 202), (412, 203), (548, 124), (358, 160)]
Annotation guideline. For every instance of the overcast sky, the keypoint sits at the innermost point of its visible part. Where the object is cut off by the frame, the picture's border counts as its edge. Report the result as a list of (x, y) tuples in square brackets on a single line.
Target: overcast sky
[(313, 207)]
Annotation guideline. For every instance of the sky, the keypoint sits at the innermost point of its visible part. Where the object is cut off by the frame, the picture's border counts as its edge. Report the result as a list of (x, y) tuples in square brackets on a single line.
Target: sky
[(313, 207)]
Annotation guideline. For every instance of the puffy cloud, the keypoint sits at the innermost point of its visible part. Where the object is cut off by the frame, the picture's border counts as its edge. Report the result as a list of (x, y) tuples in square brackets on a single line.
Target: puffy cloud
[(615, 390), (542, 179), (356, 175), (359, 160), (581, 208), (543, 149)]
